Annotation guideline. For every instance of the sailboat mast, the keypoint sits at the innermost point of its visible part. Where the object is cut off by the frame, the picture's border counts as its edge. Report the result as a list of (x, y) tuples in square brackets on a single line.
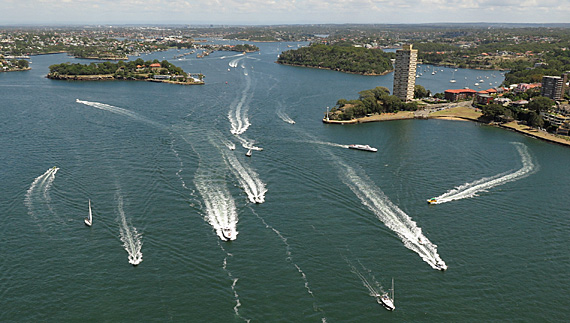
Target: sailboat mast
[(393, 301)]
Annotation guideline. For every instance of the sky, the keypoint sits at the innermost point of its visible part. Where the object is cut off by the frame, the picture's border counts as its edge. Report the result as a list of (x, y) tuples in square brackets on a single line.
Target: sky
[(269, 12)]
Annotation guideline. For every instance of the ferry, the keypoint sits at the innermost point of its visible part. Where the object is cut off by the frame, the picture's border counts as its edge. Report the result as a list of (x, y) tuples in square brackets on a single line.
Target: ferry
[(363, 147), (432, 201)]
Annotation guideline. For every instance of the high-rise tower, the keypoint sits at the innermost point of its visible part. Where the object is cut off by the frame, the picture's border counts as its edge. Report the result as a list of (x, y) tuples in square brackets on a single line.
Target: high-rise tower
[(405, 73)]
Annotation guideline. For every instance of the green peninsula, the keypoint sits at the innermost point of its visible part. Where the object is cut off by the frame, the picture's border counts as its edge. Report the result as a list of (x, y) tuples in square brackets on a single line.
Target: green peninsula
[(136, 70), (340, 58)]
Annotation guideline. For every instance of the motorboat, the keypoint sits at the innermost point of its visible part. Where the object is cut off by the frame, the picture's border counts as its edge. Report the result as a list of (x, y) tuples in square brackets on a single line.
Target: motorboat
[(227, 233), (386, 300), (363, 147), (248, 153), (89, 219), (433, 200), (440, 265)]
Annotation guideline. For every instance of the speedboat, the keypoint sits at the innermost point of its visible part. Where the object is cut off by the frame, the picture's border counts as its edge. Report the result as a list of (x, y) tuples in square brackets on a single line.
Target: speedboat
[(89, 220), (363, 147), (432, 201), (440, 265), (248, 153), (227, 233)]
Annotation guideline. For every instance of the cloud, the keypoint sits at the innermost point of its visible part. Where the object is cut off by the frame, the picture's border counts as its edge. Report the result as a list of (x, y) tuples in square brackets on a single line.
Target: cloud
[(281, 11)]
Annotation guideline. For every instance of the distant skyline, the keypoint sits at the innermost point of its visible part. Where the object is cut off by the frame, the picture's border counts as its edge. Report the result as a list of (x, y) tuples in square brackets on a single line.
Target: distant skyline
[(269, 12)]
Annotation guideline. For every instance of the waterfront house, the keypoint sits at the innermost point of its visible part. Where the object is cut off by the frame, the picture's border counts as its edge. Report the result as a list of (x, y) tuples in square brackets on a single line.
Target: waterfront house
[(460, 94)]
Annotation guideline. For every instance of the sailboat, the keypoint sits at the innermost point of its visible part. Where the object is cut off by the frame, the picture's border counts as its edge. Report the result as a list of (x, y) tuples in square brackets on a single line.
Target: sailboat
[(89, 220), (386, 300), (452, 78)]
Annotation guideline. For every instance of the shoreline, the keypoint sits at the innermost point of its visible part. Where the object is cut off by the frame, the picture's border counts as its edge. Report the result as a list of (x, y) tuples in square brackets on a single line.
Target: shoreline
[(457, 114), (110, 77), (330, 69)]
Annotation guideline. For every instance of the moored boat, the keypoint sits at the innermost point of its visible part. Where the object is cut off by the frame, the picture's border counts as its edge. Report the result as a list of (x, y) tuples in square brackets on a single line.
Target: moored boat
[(363, 147)]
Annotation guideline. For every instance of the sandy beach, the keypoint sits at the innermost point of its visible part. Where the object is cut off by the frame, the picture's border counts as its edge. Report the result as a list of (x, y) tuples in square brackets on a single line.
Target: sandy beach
[(458, 113)]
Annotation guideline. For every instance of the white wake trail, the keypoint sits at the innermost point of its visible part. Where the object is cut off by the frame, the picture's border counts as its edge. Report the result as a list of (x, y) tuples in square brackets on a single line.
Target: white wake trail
[(283, 116), (289, 258), (40, 185), (238, 111), (391, 215), (374, 289), (468, 190), (326, 143), (220, 206), (120, 111), (132, 240), (247, 177)]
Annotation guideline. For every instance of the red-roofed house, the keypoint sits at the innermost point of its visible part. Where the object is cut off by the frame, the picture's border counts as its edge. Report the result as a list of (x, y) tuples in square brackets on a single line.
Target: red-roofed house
[(155, 65), (483, 97), (456, 95)]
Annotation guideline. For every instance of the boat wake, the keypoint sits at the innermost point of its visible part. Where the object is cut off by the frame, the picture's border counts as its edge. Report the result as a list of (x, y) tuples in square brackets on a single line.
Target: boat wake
[(234, 283), (132, 240), (392, 216), (374, 288), (220, 210), (289, 258), (283, 116), (326, 143), (234, 62), (39, 190), (247, 177), (238, 111), (469, 190), (248, 143), (120, 111)]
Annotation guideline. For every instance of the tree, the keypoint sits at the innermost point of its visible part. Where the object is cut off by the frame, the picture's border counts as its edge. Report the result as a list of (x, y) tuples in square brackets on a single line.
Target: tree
[(420, 92), (540, 103)]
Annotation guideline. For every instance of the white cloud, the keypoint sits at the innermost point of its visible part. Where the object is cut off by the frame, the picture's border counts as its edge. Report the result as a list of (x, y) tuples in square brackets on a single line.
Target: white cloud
[(281, 11)]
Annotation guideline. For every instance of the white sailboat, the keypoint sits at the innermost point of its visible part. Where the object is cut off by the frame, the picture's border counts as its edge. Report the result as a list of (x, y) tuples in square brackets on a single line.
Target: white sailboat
[(386, 300), (452, 78), (89, 220)]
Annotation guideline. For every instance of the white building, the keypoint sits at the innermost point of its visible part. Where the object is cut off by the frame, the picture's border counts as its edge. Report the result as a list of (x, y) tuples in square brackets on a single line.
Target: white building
[(405, 73)]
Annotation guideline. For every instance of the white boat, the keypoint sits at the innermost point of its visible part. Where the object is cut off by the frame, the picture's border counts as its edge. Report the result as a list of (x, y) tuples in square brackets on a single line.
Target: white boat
[(363, 147), (248, 153), (89, 220), (227, 233), (452, 78), (386, 300), (440, 265)]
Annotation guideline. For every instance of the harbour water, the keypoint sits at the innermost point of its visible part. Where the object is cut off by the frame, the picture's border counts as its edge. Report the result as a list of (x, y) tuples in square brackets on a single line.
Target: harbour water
[(319, 229)]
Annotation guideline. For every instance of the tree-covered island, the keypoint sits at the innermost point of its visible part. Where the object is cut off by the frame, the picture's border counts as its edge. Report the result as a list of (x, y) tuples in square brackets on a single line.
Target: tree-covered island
[(136, 70), (341, 58)]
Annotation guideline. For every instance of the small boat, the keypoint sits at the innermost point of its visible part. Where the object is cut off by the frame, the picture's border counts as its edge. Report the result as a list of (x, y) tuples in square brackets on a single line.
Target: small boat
[(440, 265), (248, 153), (89, 220), (227, 233), (363, 147), (386, 300), (433, 200)]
